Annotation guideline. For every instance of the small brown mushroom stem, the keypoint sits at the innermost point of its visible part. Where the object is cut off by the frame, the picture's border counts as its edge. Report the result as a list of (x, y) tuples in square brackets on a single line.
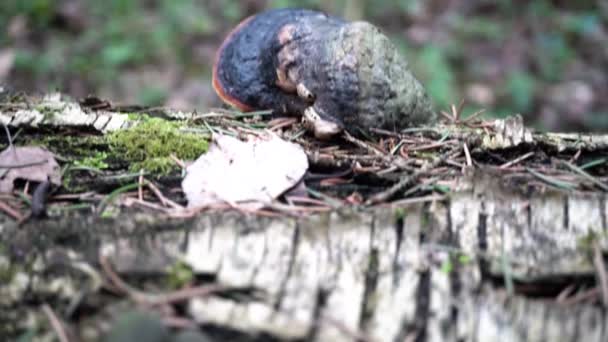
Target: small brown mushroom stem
[(322, 129), (304, 93)]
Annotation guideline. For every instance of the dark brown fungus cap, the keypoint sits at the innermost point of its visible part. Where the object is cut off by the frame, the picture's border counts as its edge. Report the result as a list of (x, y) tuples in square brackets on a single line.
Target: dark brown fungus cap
[(297, 61)]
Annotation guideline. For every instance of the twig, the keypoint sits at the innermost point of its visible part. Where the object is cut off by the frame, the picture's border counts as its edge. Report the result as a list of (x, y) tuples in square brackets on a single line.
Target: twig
[(589, 294), (563, 295), (423, 199), (164, 200), (140, 183), (586, 175), (430, 146), (179, 322), (598, 261), (55, 323), (384, 132), (23, 165), (473, 116), (306, 200), (467, 155), (407, 180), (293, 209), (516, 160), (593, 163), (130, 201), (576, 156), (104, 202), (277, 124), (12, 212), (177, 161), (117, 282), (551, 181), (156, 299), (8, 135), (374, 150)]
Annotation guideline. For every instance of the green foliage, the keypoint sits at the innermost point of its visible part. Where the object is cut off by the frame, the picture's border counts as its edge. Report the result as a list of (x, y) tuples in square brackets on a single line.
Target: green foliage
[(190, 17), (447, 266), (585, 23), (38, 12), (520, 87), (400, 213), (98, 161), (152, 96), (552, 54), (292, 3), (149, 144), (475, 27), (180, 274), (437, 74)]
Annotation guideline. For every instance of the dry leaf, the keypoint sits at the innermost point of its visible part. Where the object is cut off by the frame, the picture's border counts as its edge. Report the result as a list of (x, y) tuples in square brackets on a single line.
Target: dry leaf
[(30, 163), (254, 172)]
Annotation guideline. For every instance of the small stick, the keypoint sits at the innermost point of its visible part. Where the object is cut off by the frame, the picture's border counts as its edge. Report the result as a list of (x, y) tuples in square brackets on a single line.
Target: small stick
[(362, 144), (473, 116), (8, 135), (179, 322), (516, 160), (55, 323), (586, 175), (280, 123), (177, 161), (467, 155), (430, 146), (156, 299), (12, 212), (306, 200), (140, 190), (565, 293), (164, 200), (598, 260), (589, 294), (24, 164), (407, 180), (130, 201), (575, 156)]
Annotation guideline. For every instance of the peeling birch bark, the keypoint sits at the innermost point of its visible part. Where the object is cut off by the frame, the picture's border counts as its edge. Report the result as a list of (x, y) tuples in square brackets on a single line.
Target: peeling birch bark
[(378, 274)]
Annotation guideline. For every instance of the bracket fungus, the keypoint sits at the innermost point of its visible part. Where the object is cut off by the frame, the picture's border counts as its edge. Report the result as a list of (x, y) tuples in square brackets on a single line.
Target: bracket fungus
[(336, 74)]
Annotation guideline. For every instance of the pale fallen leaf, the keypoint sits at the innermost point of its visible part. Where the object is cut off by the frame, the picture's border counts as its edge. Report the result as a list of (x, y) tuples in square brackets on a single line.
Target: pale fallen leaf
[(253, 172), (29, 163)]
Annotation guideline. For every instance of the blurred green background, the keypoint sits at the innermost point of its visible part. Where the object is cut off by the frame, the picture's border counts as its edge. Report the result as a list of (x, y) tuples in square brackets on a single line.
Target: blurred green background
[(545, 59)]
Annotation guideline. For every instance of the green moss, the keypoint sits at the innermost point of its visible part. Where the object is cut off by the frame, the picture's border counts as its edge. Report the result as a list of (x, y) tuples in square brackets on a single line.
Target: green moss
[(98, 161), (447, 267), (149, 145), (179, 275), (400, 213), (587, 242), (464, 259), (75, 147), (48, 112)]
